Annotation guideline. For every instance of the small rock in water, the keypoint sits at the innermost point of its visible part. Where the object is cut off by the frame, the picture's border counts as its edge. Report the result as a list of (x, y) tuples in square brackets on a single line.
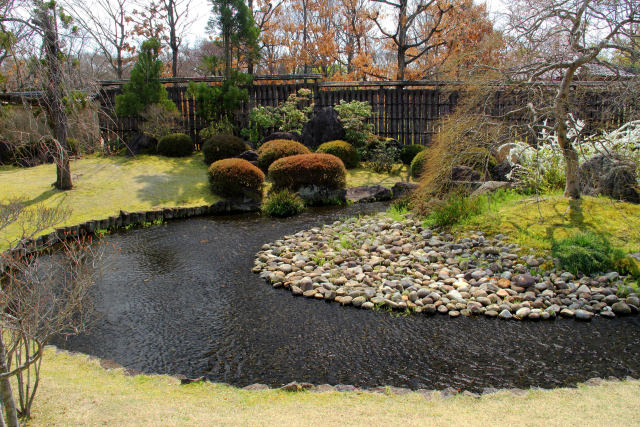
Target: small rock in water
[(505, 314), (583, 315)]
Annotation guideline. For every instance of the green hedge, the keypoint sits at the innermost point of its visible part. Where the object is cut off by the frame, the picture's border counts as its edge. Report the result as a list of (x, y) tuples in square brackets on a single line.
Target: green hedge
[(218, 147), (175, 145), (343, 150)]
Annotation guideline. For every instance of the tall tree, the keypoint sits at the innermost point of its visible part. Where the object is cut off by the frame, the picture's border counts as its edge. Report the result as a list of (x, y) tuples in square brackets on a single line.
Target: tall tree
[(556, 39), (233, 21), (410, 40), (108, 23), (179, 20)]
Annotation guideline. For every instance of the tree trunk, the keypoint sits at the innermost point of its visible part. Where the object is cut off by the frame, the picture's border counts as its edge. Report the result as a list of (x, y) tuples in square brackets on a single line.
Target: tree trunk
[(173, 38), (53, 96), (572, 174), (8, 404), (402, 40), (250, 58), (304, 37)]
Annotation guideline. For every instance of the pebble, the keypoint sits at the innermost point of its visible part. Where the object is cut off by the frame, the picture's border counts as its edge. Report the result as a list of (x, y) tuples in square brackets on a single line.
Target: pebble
[(376, 261)]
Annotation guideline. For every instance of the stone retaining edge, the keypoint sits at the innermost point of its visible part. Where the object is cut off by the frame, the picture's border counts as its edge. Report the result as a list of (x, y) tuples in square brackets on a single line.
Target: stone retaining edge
[(127, 219)]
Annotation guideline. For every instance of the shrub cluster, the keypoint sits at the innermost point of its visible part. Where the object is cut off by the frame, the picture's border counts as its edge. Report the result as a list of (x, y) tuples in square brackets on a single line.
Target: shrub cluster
[(235, 177), (324, 170), (586, 253), (418, 164), (380, 154), (218, 147), (276, 149), (408, 152), (283, 203), (342, 150), (175, 145)]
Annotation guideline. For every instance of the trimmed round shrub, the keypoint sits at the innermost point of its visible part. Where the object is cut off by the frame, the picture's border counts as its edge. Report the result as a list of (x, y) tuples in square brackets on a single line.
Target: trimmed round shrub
[(218, 147), (408, 152), (175, 145), (276, 149), (235, 178), (323, 170), (342, 150), (418, 163), (282, 204)]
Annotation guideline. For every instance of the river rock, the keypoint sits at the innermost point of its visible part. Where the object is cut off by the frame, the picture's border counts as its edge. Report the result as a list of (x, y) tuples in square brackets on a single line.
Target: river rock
[(621, 308), (505, 315), (583, 315), (523, 280)]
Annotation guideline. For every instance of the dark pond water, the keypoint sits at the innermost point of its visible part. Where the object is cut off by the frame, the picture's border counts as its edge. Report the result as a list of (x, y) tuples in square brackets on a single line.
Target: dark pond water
[(181, 299)]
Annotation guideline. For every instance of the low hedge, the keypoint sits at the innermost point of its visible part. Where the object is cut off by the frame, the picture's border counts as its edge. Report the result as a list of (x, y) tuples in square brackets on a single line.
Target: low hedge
[(343, 150), (175, 145), (218, 147), (293, 172), (276, 149), (418, 163), (409, 152), (235, 177)]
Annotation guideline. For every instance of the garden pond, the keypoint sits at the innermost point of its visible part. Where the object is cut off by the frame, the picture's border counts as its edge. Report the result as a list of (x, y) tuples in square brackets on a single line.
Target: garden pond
[(181, 299)]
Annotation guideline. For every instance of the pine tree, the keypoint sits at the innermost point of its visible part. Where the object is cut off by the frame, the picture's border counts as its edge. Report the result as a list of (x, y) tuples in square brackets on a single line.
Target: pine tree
[(144, 87)]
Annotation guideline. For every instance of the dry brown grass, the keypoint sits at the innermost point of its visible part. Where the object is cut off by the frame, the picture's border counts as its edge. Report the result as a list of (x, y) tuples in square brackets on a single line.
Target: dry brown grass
[(77, 391)]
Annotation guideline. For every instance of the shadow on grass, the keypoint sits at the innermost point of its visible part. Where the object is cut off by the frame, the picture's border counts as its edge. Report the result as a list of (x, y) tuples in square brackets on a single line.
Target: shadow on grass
[(180, 183)]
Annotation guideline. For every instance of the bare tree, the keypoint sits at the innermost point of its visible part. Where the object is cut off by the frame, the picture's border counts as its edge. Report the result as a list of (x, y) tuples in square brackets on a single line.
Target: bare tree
[(40, 297), (410, 42), (179, 21), (558, 39), (107, 24)]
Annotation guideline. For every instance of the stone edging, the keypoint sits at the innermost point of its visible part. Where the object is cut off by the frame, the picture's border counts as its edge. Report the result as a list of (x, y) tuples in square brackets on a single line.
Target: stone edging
[(127, 219), (295, 386)]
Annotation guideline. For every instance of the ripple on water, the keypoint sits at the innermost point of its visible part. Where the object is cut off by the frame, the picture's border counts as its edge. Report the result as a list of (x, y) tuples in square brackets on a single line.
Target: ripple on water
[(181, 299)]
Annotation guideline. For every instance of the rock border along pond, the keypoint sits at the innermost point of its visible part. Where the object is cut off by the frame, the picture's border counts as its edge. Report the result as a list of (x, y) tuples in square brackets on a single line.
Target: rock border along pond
[(378, 262)]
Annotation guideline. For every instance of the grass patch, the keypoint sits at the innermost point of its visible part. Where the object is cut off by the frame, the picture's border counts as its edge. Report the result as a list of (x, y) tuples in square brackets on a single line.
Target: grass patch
[(361, 176), (104, 186), (76, 391)]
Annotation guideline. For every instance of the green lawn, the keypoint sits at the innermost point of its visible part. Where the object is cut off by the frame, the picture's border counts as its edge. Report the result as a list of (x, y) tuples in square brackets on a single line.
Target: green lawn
[(75, 390), (105, 185)]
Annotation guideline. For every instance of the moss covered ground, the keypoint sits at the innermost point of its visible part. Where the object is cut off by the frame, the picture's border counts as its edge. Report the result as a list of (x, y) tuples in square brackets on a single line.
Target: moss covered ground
[(535, 222)]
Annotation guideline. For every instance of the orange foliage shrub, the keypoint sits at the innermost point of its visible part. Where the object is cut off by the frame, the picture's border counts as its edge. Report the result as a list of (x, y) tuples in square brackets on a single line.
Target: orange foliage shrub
[(276, 149), (235, 177), (293, 172)]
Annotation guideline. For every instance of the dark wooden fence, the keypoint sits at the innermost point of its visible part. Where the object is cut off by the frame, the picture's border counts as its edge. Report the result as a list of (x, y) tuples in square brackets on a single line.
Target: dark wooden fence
[(407, 111)]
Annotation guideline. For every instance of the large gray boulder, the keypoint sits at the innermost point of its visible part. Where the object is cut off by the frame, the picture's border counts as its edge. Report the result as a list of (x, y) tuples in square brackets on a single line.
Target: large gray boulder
[(610, 176), (324, 126), (318, 195), (368, 193)]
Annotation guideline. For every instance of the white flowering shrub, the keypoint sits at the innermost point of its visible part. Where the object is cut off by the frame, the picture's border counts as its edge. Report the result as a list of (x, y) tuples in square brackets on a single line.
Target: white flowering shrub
[(542, 168)]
